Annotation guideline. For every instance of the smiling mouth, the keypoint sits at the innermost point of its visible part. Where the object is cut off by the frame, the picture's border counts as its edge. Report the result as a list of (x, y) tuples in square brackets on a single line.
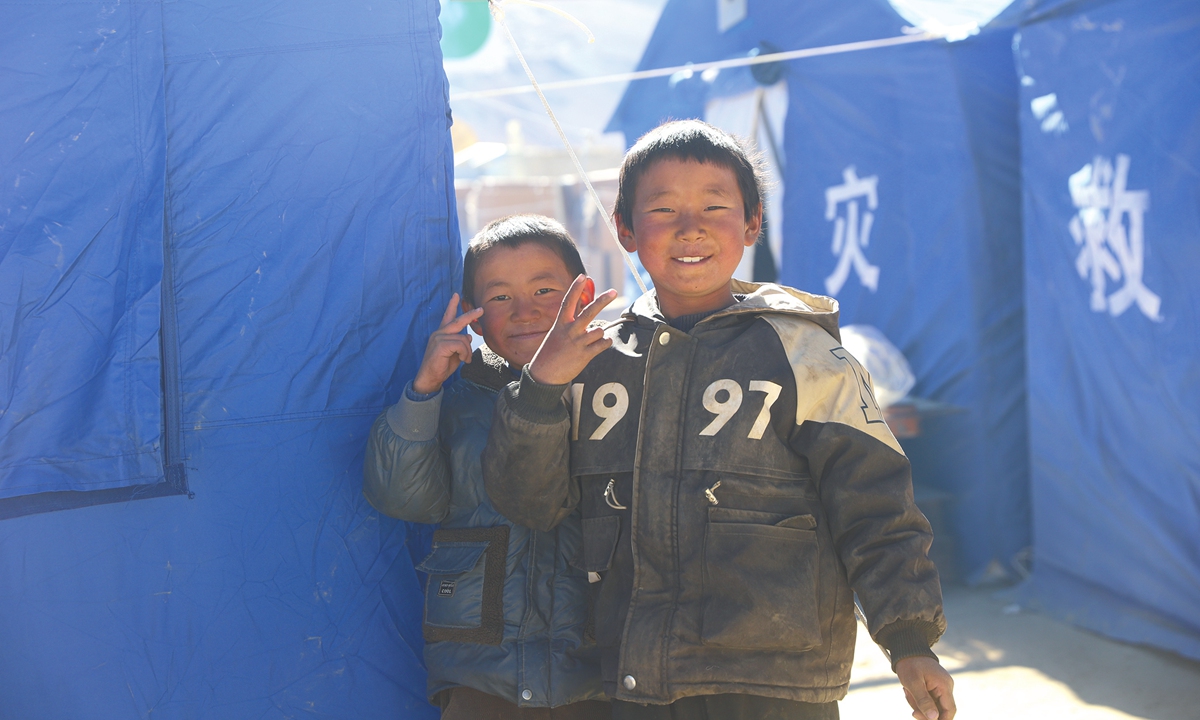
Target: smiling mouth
[(525, 336), (692, 259)]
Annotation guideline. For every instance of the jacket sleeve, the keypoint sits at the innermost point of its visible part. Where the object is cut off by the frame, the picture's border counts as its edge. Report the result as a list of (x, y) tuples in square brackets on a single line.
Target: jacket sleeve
[(880, 536), (406, 473), (865, 486), (526, 464)]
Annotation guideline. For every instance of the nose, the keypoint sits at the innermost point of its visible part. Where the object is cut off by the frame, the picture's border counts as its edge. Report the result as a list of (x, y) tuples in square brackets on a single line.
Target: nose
[(524, 309), (689, 228)]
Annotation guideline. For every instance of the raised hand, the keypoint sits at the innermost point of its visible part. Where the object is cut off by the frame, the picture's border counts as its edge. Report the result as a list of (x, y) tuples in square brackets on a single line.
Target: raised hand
[(928, 688), (448, 348), (570, 346)]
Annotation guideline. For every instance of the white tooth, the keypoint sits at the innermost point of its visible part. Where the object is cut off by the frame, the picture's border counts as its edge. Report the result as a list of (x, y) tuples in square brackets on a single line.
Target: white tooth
[(690, 259)]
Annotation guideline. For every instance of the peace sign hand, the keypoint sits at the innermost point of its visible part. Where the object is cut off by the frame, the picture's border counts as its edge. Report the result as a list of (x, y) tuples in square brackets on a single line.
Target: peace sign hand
[(448, 348), (570, 346)]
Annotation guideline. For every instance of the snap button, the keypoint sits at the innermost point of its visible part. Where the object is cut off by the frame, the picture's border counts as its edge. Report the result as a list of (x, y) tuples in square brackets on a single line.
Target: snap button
[(664, 338), (629, 681), (526, 695)]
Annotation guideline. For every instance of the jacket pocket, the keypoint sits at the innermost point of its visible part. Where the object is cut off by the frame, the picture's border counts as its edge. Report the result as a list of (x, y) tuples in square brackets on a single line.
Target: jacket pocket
[(600, 542), (760, 582), (464, 599)]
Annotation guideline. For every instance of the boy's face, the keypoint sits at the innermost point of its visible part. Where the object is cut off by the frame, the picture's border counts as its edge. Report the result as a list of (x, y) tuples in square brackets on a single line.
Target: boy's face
[(520, 290), (689, 230)]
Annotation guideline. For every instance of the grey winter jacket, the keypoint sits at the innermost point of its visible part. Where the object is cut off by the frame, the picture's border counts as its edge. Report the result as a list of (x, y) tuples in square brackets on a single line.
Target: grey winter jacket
[(505, 612), (738, 485)]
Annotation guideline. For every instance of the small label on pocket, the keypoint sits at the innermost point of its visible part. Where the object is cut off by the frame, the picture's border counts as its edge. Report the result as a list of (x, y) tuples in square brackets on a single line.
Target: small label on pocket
[(446, 588)]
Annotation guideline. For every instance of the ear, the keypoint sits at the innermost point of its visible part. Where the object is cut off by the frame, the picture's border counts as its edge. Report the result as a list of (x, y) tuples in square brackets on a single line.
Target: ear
[(475, 326), (589, 294), (625, 234), (754, 226)]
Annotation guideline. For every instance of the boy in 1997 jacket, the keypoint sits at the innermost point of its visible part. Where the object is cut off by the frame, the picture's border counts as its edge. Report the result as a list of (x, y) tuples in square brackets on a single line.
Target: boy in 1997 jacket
[(737, 481), (506, 618)]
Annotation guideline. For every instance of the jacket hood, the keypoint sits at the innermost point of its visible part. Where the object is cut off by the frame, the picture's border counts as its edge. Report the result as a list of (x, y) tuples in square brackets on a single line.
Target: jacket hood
[(760, 299)]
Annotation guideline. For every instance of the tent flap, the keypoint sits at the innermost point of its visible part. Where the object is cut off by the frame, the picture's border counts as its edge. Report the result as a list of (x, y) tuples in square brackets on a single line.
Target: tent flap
[(81, 199)]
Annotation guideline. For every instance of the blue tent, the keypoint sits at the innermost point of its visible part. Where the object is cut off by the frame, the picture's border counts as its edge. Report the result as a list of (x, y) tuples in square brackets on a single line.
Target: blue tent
[(1110, 136), (226, 229), (902, 199)]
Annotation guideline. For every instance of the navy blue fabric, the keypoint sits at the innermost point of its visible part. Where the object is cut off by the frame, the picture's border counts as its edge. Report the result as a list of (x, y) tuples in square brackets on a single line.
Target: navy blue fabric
[(1109, 118), (935, 125), (267, 189)]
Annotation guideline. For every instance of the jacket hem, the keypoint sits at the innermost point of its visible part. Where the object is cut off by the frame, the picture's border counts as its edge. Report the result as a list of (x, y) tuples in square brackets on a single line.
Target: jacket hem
[(678, 691)]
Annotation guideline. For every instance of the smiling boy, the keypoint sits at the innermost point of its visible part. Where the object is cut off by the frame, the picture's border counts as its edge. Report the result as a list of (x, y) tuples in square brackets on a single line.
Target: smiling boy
[(505, 611), (737, 482)]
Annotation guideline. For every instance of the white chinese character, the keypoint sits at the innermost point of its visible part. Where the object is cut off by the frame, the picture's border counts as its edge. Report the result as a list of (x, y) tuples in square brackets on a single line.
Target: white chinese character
[(1108, 250), (849, 237)]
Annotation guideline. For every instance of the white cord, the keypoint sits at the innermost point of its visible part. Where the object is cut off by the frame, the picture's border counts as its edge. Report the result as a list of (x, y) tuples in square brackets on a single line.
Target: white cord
[(498, 14), (923, 36)]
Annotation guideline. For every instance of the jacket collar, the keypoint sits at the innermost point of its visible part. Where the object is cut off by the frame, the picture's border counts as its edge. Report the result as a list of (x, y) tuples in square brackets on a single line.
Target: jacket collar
[(761, 299), (487, 369)]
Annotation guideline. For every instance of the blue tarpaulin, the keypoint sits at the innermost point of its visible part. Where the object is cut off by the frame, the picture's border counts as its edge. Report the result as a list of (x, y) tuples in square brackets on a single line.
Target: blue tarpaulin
[(901, 199), (1110, 134), (226, 230)]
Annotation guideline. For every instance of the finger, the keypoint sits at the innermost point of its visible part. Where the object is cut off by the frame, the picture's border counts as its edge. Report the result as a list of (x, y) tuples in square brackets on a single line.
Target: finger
[(926, 704), (462, 347), (912, 702), (593, 335), (451, 310), (566, 312), (452, 346), (597, 347), (592, 310), (459, 323), (945, 701)]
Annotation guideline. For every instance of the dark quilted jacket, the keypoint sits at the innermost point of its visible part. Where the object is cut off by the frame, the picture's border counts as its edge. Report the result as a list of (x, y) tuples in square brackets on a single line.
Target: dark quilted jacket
[(738, 485), (505, 611)]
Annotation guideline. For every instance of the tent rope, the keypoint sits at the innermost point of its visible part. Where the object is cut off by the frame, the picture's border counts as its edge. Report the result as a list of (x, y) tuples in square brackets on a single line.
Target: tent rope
[(915, 37), (498, 14)]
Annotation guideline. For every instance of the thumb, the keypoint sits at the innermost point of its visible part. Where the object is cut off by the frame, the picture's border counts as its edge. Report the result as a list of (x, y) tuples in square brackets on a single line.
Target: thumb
[(925, 703)]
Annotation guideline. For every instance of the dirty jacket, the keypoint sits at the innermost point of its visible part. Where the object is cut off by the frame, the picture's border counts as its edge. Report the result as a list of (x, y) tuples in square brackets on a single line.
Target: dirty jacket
[(738, 484), (505, 613)]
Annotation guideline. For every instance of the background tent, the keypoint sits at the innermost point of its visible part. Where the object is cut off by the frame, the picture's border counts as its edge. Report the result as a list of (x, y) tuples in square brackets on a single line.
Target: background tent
[(1110, 133), (913, 152), (226, 229)]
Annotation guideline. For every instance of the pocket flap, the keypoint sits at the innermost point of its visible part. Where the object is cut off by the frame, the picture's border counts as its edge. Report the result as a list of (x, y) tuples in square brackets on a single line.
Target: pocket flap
[(600, 541), (453, 558), (799, 522)]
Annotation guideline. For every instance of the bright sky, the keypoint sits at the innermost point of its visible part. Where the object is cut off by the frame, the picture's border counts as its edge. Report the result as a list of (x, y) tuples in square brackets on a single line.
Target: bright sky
[(556, 50)]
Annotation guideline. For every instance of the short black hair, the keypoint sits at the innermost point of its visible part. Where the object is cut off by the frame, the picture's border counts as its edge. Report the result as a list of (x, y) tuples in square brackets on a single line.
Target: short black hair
[(513, 231), (690, 140)]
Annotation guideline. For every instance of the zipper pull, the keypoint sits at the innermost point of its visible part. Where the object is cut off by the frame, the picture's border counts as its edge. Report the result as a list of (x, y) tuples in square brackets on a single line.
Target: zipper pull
[(708, 493), (610, 496)]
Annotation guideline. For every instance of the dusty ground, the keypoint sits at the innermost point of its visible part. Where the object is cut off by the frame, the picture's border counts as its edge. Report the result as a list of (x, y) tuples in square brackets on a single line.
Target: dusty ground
[(1023, 665)]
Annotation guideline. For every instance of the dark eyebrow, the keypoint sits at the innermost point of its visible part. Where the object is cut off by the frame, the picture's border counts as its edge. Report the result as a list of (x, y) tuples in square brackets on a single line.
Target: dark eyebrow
[(497, 283), (711, 189)]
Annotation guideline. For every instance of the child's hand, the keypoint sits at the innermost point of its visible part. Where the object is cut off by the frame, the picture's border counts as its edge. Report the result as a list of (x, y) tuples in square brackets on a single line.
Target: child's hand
[(928, 688), (447, 349), (570, 346)]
